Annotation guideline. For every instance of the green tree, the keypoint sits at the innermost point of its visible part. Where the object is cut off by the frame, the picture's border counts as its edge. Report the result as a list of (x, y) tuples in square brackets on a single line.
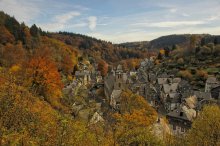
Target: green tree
[(34, 30), (13, 26)]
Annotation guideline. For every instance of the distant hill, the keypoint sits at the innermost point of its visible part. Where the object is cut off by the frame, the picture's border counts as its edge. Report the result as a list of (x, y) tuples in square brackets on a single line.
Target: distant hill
[(182, 40), (93, 47), (143, 45)]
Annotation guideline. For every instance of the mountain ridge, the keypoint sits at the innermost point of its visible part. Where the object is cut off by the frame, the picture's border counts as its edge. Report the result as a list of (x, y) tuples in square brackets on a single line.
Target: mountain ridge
[(170, 40)]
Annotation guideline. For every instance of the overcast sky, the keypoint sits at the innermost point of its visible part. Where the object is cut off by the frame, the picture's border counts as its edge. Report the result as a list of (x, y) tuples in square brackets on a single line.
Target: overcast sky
[(119, 20)]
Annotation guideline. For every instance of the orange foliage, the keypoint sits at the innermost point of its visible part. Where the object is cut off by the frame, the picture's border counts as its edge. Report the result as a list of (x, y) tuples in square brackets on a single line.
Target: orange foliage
[(65, 56), (103, 67), (202, 74), (27, 37), (157, 62), (12, 54), (44, 76), (131, 63), (67, 64)]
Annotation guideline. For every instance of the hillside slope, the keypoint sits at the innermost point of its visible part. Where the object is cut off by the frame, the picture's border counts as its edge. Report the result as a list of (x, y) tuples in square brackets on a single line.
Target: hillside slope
[(97, 49), (182, 40)]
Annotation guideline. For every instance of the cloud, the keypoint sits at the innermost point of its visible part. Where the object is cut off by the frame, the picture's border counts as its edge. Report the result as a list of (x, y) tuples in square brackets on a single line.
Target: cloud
[(51, 26), (102, 24), (92, 22), (169, 24), (64, 18), (213, 18), (121, 37), (185, 15), (65, 22), (23, 10), (80, 7), (60, 22), (82, 24), (173, 10)]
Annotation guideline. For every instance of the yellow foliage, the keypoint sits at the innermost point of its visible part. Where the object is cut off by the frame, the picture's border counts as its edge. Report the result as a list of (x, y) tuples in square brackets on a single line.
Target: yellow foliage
[(135, 114), (27, 120), (64, 55), (206, 128), (1, 68), (15, 68), (162, 51), (69, 78), (186, 74)]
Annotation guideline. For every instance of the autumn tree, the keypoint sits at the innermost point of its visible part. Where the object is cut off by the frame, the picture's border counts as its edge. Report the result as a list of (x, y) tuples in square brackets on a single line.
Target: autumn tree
[(75, 133), (44, 77), (205, 50), (206, 128), (192, 44), (216, 50), (12, 54), (185, 74), (14, 117), (201, 74), (103, 67), (180, 61), (5, 36), (124, 64), (133, 63), (134, 120), (25, 119), (26, 37), (65, 56), (161, 54)]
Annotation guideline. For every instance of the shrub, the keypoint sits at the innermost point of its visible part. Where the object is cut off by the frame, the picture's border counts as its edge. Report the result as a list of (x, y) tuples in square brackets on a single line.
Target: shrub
[(180, 61), (217, 50), (185, 74), (201, 74), (205, 50)]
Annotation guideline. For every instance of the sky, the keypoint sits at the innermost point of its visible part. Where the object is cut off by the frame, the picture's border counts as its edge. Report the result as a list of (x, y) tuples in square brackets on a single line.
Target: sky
[(119, 20)]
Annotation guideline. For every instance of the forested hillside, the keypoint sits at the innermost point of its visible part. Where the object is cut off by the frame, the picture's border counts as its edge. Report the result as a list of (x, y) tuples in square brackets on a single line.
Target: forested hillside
[(98, 49), (35, 66), (193, 62), (170, 41)]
